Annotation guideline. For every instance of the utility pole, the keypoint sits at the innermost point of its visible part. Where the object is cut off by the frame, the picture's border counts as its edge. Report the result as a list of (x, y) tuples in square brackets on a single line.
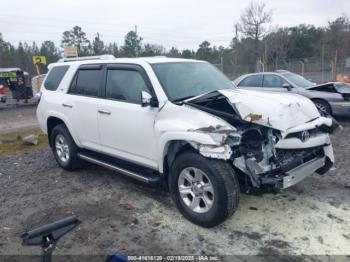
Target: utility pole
[(136, 51), (322, 63)]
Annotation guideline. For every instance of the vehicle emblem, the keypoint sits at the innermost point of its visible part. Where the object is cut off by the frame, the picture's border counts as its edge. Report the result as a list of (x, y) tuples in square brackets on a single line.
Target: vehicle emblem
[(305, 135)]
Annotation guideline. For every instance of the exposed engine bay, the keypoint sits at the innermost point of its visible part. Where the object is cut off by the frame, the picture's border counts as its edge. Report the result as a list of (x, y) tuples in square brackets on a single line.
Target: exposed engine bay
[(278, 155)]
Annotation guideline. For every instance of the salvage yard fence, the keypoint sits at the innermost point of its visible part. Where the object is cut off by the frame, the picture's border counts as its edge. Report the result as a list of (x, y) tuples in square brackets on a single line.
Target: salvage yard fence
[(316, 70)]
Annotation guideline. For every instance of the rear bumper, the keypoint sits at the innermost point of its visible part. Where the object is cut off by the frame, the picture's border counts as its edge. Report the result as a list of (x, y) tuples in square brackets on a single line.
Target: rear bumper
[(341, 108)]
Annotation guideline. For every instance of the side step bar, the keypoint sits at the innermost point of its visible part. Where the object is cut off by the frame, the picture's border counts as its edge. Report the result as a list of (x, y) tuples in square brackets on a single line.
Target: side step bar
[(147, 178)]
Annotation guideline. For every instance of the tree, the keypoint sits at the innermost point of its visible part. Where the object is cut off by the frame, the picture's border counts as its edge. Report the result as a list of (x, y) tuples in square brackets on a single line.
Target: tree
[(204, 51), (98, 45), (113, 49), (252, 24), (132, 44), (49, 49), (188, 54), (174, 52), (152, 50), (278, 43), (338, 37), (76, 37)]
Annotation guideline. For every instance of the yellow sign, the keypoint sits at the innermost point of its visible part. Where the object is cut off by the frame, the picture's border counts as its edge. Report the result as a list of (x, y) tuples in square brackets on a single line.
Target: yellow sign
[(39, 60)]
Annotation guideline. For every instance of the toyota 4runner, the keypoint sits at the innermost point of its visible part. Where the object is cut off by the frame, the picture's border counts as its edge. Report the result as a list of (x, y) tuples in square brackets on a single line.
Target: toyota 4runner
[(182, 124)]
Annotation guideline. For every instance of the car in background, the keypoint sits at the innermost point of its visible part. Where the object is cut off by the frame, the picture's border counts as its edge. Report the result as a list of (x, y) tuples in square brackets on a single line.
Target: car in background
[(331, 98), (3, 97)]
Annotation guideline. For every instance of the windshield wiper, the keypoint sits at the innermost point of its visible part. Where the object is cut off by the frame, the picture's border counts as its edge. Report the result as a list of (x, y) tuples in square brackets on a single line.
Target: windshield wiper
[(182, 99)]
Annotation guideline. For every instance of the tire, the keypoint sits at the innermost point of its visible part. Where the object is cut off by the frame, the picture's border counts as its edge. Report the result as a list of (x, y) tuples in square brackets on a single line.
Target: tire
[(218, 205), (322, 106), (68, 158)]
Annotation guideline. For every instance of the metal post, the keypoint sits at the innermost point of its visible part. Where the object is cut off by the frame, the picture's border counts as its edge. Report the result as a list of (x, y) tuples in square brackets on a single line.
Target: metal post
[(322, 64)]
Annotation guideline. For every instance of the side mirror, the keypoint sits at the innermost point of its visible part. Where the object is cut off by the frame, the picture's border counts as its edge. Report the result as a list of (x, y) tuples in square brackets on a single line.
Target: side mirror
[(287, 86), (148, 100)]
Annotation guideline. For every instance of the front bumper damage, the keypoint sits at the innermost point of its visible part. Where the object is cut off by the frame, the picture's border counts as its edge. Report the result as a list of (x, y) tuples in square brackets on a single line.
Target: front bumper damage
[(297, 174), (277, 145), (285, 159)]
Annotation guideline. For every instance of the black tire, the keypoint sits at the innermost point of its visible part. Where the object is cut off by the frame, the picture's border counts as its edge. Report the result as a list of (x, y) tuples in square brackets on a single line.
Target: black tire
[(323, 106), (74, 161), (224, 183)]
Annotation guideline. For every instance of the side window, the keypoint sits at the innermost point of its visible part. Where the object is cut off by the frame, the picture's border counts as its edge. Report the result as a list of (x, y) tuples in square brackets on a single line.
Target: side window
[(252, 81), (87, 82), (273, 81), (55, 77), (125, 85)]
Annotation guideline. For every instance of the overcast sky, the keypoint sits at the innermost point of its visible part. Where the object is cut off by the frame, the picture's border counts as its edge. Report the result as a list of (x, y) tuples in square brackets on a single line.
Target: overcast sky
[(179, 23)]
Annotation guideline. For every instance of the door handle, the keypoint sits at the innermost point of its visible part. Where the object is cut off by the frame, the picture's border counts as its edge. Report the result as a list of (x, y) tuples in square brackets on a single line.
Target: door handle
[(67, 105), (105, 112)]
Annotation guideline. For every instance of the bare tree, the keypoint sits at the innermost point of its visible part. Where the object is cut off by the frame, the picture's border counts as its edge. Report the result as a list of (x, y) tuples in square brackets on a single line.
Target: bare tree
[(252, 24)]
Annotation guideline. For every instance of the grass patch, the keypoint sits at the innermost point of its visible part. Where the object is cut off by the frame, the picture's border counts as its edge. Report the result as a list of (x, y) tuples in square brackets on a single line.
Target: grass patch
[(12, 144)]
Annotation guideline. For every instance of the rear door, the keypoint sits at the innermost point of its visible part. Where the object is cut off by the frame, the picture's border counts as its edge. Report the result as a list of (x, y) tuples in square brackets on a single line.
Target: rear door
[(80, 104)]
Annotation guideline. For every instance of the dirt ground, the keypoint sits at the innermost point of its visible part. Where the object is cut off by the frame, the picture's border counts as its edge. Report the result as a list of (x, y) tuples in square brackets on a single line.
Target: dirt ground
[(14, 118), (311, 218)]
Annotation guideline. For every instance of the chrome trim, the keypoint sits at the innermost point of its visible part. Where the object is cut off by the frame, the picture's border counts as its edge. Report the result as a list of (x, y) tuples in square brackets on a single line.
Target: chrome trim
[(114, 168), (299, 173)]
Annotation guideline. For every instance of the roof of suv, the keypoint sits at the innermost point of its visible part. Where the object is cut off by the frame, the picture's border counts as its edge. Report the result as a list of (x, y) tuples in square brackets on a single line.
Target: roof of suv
[(110, 59)]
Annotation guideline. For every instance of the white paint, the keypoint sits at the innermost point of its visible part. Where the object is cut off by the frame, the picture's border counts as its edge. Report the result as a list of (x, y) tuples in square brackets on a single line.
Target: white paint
[(278, 111)]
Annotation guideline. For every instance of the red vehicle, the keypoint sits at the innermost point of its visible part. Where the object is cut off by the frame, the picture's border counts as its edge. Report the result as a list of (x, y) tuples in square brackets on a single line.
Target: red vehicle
[(2, 94)]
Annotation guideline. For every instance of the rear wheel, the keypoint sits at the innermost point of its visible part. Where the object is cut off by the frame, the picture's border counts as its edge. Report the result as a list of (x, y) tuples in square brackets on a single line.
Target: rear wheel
[(205, 191), (64, 148)]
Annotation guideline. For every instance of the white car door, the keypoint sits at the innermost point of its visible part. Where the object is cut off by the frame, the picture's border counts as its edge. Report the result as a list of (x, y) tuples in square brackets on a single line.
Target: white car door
[(126, 128), (81, 105)]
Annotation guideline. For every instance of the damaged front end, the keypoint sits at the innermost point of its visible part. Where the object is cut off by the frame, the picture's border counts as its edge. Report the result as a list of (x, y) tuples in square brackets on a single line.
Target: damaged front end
[(269, 155)]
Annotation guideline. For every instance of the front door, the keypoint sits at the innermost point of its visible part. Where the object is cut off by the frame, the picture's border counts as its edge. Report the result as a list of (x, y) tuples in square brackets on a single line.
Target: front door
[(127, 128)]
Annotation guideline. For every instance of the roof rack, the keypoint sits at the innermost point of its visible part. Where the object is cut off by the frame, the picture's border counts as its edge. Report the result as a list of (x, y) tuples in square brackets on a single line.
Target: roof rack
[(83, 58)]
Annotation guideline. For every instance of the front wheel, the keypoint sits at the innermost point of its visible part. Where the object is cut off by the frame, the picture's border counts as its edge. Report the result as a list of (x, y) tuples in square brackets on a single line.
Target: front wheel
[(205, 191)]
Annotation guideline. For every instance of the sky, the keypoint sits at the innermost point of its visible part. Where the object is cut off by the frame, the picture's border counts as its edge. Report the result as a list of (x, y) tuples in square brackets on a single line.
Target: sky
[(179, 23)]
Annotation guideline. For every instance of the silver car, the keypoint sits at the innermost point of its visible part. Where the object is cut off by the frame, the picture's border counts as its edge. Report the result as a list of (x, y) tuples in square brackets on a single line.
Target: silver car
[(332, 98)]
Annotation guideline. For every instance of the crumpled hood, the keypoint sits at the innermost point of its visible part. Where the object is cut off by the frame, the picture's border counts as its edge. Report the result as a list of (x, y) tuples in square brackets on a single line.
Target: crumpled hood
[(280, 111)]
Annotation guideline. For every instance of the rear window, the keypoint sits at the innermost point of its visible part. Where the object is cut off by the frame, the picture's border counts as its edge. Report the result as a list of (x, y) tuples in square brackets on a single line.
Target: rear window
[(87, 82), (54, 77)]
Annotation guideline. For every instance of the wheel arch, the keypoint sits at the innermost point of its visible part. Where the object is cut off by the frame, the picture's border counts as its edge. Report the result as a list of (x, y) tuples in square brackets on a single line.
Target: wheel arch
[(53, 121), (315, 99)]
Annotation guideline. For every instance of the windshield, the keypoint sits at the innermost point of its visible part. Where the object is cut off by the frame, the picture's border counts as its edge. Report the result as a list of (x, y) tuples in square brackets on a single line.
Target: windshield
[(182, 80), (298, 80)]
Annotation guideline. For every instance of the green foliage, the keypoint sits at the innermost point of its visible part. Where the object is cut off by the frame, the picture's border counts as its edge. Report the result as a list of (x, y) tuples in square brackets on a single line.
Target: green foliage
[(77, 37), (132, 45), (98, 45), (152, 50)]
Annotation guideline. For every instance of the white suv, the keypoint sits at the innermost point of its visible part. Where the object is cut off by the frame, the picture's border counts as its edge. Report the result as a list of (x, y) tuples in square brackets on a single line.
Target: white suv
[(182, 124)]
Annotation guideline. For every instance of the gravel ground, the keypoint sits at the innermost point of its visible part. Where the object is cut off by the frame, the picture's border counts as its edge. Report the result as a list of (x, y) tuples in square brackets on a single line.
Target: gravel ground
[(14, 118), (308, 219)]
